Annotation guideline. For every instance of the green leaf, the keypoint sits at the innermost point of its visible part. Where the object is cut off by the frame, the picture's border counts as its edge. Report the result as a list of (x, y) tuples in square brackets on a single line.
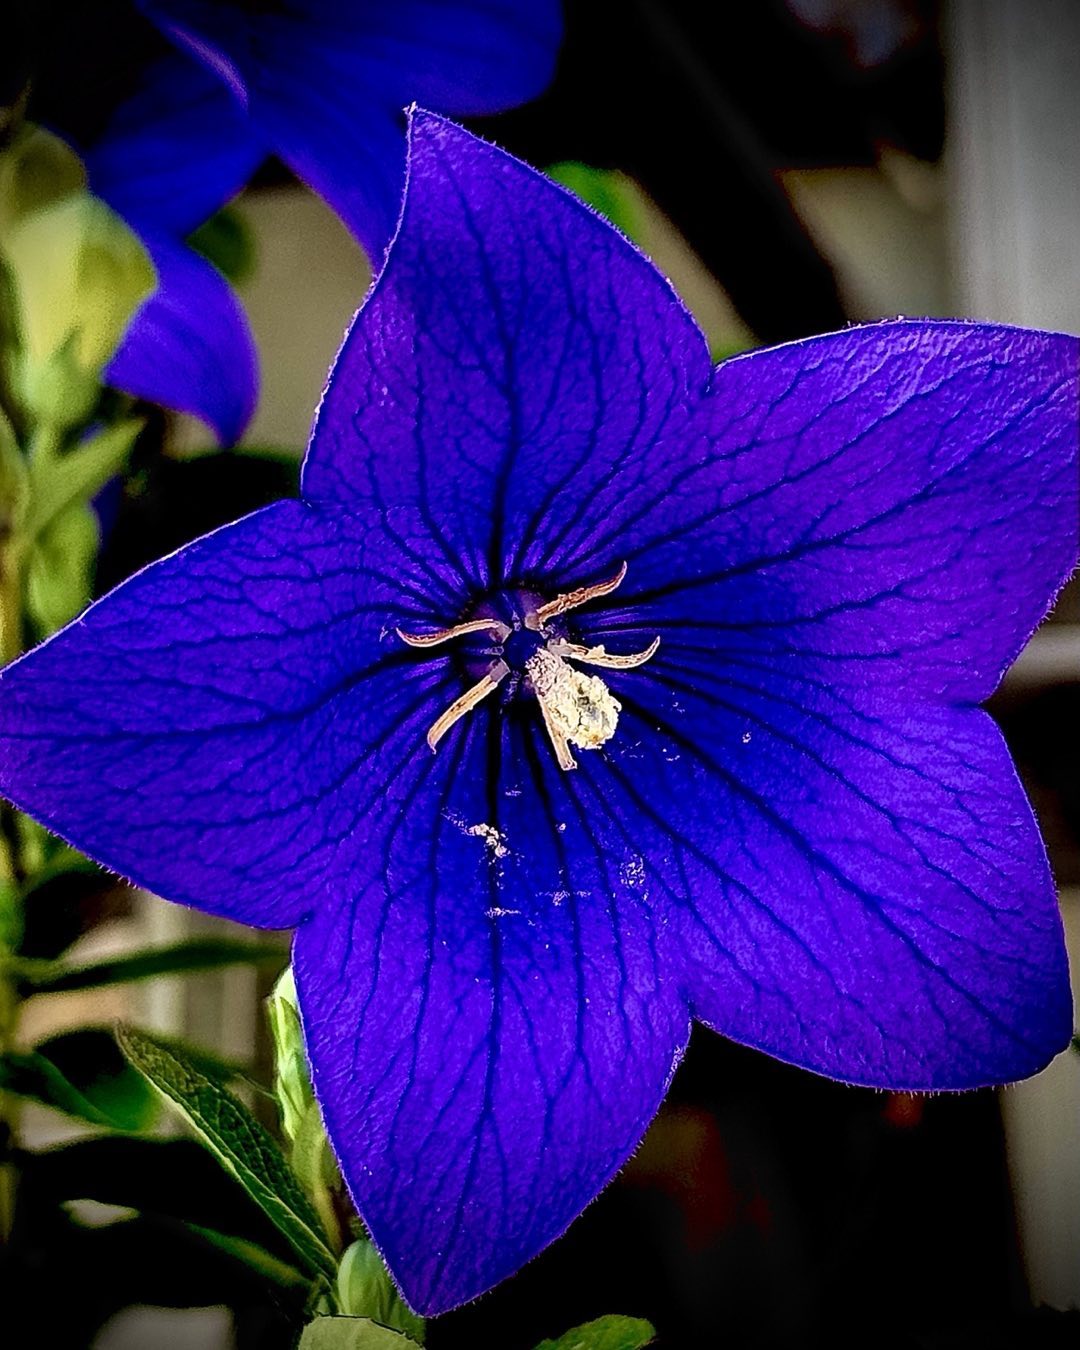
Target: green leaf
[(227, 241), (60, 568), (10, 916), (14, 480), (606, 1333), (81, 1074), (604, 190), (351, 1333), (253, 1256), (197, 954), (240, 1143), (287, 456), (365, 1289), (176, 1180), (62, 481), (36, 170)]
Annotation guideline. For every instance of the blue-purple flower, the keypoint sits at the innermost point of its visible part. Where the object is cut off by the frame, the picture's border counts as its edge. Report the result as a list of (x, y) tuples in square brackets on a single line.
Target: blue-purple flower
[(322, 84), (699, 653)]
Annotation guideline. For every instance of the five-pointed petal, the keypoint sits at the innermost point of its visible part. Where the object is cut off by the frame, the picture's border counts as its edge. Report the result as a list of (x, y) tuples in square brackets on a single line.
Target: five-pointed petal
[(803, 831)]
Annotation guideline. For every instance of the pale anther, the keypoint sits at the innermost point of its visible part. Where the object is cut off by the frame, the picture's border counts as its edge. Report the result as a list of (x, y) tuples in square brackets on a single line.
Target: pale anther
[(499, 631), (468, 700), (563, 604), (597, 656)]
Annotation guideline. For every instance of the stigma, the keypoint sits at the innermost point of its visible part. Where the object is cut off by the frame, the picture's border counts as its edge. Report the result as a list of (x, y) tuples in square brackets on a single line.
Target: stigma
[(576, 708)]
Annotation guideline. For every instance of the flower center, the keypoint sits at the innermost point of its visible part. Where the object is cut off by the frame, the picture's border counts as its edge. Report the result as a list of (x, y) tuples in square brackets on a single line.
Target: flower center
[(521, 646), (577, 709)]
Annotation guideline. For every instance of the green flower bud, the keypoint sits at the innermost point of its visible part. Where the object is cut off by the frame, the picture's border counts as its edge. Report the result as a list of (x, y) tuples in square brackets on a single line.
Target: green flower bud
[(365, 1289), (36, 170), (292, 1079), (79, 275)]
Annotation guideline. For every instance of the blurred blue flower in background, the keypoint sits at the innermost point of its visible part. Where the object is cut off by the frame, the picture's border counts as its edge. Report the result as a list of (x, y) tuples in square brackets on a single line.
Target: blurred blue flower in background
[(698, 652), (322, 84)]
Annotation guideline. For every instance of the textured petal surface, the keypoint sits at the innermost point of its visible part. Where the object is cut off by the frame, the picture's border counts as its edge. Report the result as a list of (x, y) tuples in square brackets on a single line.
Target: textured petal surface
[(802, 831), (894, 501), (488, 1021), (856, 881), (891, 505), (510, 374), (176, 150), (189, 346), (325, 83), (197, 730)]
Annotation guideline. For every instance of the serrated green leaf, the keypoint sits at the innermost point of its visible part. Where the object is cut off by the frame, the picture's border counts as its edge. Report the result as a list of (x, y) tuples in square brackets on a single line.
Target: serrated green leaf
[(60, 568), (176, 1180), (62, 481), (81, 1074), (606, 1333), (217, 1068), (351, 1333), (365, 1289), (239, 1142), (197, 954)]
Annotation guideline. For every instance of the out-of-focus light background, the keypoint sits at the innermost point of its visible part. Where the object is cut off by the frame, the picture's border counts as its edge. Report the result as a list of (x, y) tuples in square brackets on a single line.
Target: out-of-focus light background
[(791, 166)]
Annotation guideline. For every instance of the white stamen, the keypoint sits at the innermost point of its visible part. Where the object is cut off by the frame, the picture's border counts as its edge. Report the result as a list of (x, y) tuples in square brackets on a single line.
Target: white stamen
[(577, 709)]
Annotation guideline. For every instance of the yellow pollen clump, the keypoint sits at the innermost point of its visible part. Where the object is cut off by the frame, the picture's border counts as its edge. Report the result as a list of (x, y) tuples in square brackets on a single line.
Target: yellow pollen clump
[(580, 706)]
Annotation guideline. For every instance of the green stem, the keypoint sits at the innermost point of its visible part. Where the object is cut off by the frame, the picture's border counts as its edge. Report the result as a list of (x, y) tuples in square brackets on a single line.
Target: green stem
[(11, 609), (45, 442)]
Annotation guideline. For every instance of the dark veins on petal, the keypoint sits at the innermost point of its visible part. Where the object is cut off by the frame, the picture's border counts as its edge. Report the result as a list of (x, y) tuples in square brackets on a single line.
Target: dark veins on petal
[(799, 828)]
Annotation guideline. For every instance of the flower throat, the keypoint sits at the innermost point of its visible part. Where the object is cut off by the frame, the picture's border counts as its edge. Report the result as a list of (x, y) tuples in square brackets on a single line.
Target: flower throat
[(577, 709)]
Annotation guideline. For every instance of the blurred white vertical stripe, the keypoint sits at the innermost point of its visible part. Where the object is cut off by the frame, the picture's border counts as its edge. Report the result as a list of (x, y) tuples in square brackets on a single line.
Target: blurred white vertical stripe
[(1014, 159), (161, 1000), (1014, 156)]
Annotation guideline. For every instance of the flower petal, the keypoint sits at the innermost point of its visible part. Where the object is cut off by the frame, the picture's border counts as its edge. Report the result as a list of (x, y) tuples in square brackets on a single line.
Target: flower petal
[(894, 505), (176, 150), (468, 57), (199, 729), (189, 347), (501, 383), (486, 1012), (325, 83), (855, 878)]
